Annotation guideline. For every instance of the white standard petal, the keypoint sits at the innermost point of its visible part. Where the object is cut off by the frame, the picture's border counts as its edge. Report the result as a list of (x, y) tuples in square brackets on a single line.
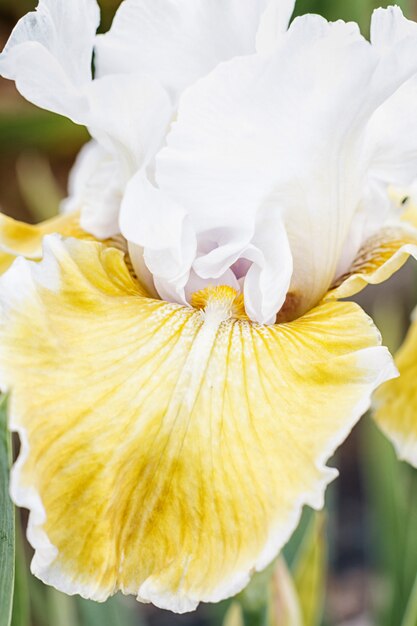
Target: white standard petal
[(161, 228), (178, 41), (268, 279), (389, 154), (49, 54), (129, 119), (261, 263), (130, 115), (274, 22), (286, 128), (95, 188), (391, 136), (389, 26)]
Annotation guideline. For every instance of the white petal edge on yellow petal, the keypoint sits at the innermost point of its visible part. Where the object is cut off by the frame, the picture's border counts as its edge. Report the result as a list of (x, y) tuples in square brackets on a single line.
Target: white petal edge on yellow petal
[(381, 361)]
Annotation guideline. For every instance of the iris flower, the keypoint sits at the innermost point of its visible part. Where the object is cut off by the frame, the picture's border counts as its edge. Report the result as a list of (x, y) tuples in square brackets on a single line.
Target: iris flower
[(179, 364)]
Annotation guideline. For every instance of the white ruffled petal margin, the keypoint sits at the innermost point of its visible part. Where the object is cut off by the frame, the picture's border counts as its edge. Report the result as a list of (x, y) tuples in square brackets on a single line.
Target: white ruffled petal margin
[(273, 24), (179, 42), (49, 55), (267, 282)]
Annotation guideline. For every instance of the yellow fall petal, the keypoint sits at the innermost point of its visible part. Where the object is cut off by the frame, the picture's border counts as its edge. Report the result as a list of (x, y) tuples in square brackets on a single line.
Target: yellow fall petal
[(167, 451), (396, 401), (18, 238), (380, 257)]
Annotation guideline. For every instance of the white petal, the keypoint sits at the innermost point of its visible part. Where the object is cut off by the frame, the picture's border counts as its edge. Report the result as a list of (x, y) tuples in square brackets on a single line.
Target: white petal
[(129, 119), (95, 188), (274, 22), (152, 221), (267, 264), (219, 249), (177, 41), (267, 281), (136, 254), (130, 116), (389, 26), (391, 141), (288, 127), (49, 54)]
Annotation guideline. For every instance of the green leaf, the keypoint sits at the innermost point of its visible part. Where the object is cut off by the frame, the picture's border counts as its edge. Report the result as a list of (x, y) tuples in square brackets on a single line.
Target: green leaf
[(117, 611), (284, 606), (309, 572), (61, 610), (38, 186), (7, 522), (292, 548), (410, 616), (254, 600), (21, 607), (234, 615), (391, 492), (38, 601), (36, 129)]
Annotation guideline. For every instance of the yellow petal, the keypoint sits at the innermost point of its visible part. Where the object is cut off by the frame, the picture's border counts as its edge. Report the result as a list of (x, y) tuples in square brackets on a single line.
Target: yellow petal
[(378, 260), (396, 401), (18, 238), (167, 451)]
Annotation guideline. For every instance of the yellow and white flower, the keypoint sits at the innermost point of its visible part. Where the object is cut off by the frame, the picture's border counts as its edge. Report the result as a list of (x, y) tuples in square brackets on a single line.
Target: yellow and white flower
[(395, 403), (178, 398)]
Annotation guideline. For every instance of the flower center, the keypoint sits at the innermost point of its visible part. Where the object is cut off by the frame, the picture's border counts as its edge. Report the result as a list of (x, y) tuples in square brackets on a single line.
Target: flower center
[(219, 303)]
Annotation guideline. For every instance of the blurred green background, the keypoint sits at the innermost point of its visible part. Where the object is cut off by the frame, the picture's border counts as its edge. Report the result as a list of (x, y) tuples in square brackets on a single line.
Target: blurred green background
[(371, 528)]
